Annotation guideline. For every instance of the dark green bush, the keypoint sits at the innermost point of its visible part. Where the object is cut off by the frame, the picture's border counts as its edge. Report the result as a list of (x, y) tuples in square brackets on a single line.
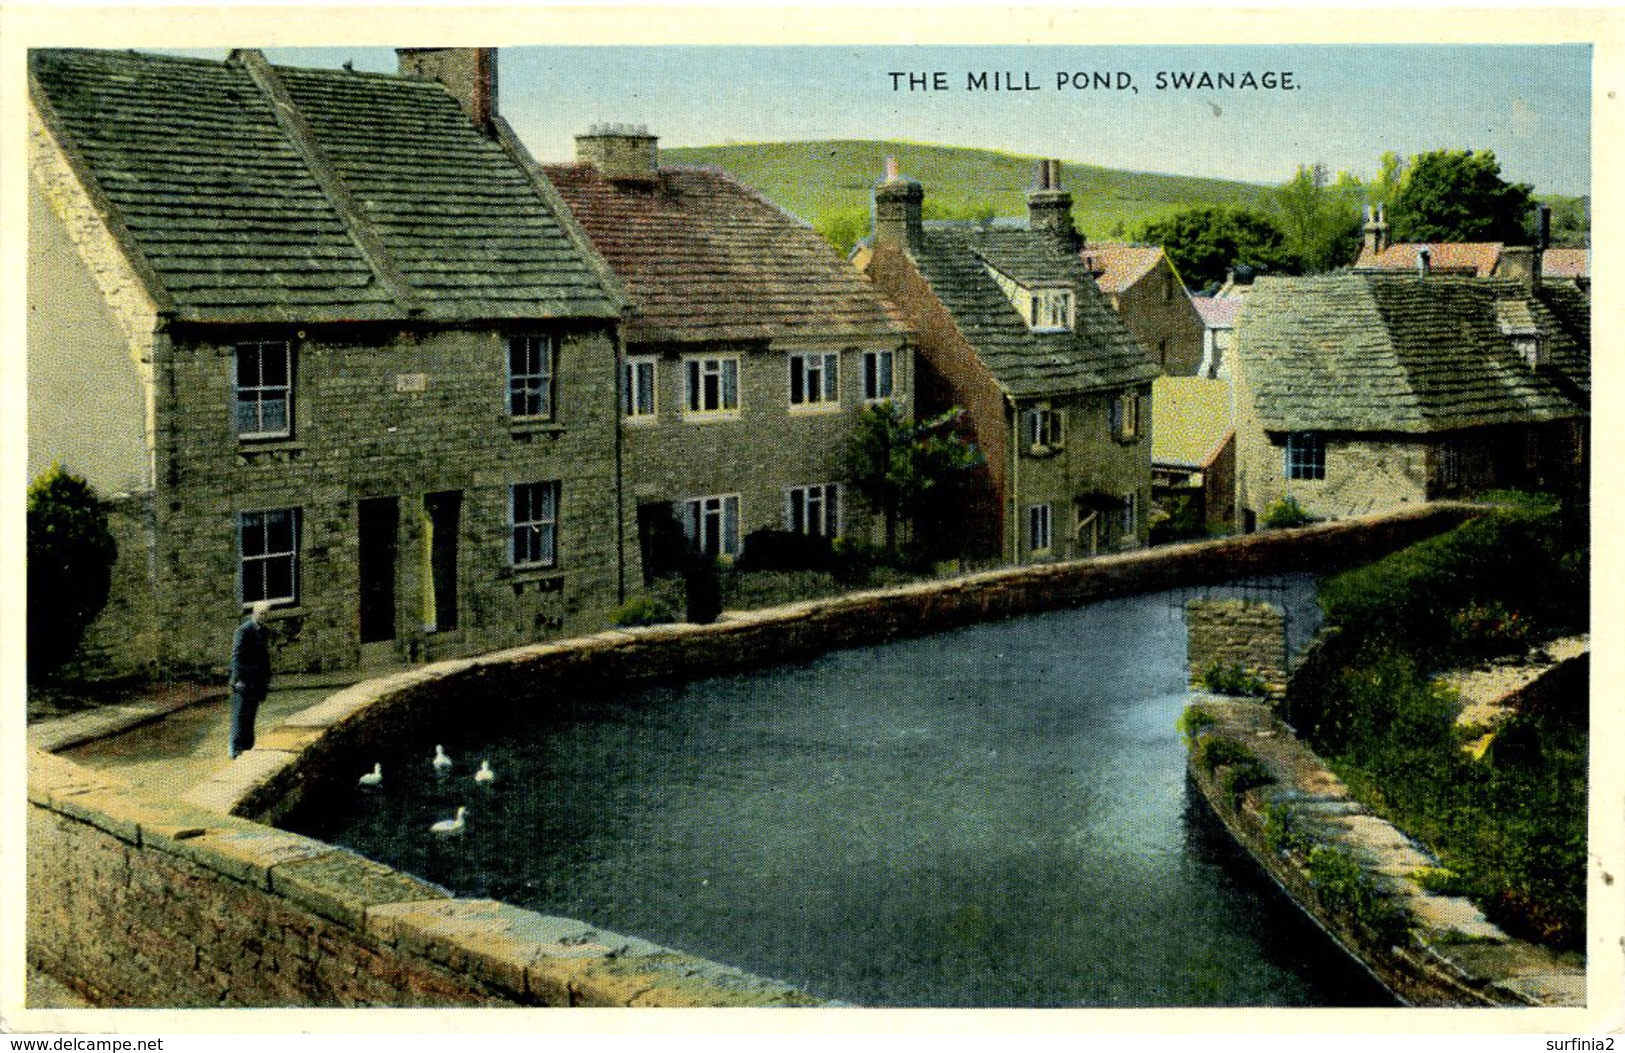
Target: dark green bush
[(774, 550), (702, 589), (70, 566), (1344, 888), (1243, 776), (1213, 753)]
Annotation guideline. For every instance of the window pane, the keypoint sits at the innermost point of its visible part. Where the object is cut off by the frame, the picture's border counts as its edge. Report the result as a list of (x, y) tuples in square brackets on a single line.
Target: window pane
[(730, 525), (798, 511), (832, 391), (798, 387), (274, 365), (730, 384)]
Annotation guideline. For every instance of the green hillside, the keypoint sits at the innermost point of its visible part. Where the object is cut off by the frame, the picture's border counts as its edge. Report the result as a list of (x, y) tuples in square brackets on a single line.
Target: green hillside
[(828, 183)]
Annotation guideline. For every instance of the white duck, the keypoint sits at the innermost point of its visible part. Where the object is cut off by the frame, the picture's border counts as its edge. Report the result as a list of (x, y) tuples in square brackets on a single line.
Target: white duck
[(450, 827), (485, 774), (441, 762), (374, 777)]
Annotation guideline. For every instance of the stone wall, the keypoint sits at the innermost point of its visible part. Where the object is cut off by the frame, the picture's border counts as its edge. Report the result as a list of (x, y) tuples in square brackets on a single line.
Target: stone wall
[(1240, 636), (144, 903), (318, 751), (1160, 313), (1287, 809)]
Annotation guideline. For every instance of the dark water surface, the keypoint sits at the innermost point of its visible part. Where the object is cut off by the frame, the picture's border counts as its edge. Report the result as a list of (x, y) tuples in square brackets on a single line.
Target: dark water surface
[(996, 816)]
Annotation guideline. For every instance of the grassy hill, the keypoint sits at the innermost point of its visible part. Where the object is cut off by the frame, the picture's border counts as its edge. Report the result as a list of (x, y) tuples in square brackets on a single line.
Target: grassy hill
[(828, 182)]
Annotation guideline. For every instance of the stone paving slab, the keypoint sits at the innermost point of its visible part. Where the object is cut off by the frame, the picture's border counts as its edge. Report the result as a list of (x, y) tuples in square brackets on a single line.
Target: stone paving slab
[(1453, 914), (250, 771), (1558, 989), (343, 886)]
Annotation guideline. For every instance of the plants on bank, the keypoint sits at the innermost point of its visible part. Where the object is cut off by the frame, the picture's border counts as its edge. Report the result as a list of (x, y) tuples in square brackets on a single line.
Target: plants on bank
[(1511, 827), (1234, 679), (1344, 888)]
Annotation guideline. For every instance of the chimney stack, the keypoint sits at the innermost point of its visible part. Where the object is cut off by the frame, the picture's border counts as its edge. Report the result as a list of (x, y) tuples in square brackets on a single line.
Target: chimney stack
[(1521, 263), (1376, 230), (899, 207), (1424, 261), (1049, 208), (470, 74), (620, 151)]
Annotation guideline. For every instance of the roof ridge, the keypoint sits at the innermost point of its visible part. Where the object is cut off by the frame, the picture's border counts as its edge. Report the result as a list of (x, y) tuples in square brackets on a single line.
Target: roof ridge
[(303, 139)]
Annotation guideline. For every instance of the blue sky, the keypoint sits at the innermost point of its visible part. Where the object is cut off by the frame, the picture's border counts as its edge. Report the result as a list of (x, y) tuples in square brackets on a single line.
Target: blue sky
[(1530, 104)]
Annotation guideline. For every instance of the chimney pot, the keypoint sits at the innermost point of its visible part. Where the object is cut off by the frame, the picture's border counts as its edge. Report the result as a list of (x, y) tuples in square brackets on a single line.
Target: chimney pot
[(1423, 261), (899, 209)]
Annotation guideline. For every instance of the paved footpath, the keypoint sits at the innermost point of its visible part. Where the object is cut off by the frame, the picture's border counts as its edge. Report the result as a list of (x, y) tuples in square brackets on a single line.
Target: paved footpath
[(166, 746)]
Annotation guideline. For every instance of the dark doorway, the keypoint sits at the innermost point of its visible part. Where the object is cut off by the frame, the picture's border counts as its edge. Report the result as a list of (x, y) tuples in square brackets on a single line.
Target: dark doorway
[(444, 511), (376, 530), (660, 538)]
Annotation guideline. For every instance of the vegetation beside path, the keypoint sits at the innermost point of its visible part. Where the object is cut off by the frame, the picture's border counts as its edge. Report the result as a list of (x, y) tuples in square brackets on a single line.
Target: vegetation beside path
[(1508, 821)]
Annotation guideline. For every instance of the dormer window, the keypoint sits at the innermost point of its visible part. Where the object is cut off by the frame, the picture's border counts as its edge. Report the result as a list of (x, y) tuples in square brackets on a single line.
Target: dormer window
[(1051, 310), (1531, 348)]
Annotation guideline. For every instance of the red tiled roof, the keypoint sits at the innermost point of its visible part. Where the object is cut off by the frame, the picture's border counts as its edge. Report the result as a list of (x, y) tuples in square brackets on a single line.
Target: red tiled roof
[(1117, 265), (1217, 314), (1477, 258), (1566, 263), (705, 257)]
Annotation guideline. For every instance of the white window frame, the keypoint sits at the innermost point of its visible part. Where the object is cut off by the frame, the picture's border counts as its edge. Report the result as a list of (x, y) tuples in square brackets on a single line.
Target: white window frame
[(250, 401), (817, 375), (817, 505), (879, 375), (1123, 413), (711, 524), (1450, 464), (1054, 310), (1040, 528), (530, 360), (1304, 456), (533, 524), (697, 370), (640, 388), (252, 567)]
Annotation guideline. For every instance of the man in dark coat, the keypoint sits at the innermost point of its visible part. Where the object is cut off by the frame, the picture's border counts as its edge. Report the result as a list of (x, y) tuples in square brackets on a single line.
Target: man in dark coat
[(250, 677)]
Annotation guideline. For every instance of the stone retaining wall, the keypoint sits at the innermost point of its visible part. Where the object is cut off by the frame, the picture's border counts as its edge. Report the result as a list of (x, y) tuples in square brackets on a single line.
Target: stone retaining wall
[(1239, 637), (140, 902), (1429, 949), (319, 751), (143, 902)]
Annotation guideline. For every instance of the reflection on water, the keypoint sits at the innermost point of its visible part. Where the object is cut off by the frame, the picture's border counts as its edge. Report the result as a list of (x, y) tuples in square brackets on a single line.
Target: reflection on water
[(996, 816)]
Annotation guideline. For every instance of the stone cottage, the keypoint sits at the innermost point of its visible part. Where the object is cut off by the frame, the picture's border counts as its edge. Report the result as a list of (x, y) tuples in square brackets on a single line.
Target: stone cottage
[(328, 340), (1360, 393), (1193, 457), (1140, 283), (1056, 390), (749, 351)]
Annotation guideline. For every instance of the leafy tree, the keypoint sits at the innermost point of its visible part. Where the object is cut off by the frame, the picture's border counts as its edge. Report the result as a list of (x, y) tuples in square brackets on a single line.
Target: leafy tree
[(1571, 221), (1205, 241), (1384, 189), (897, 463), (1320, 221), (1458, 195), (70, 566), (843, 227)]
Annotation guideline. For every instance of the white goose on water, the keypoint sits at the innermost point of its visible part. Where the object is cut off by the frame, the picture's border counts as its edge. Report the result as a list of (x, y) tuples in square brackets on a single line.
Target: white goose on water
[(441, 762), (450, 827), (374, 777), (485, 774)]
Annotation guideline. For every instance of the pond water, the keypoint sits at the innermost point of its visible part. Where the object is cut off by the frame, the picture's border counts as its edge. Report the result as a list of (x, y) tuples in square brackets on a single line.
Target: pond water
[(996, 816)]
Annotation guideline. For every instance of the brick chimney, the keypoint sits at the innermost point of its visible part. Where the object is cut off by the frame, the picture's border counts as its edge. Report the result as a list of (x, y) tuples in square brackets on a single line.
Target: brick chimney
[(899, 208), (1376, 230), (1049, 208), (620, 151), (470, 74)]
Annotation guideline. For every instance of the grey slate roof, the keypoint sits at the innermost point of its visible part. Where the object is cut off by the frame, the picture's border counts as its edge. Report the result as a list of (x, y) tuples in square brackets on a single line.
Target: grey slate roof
[(1099, 353), (395, 205), (1378, 353)]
